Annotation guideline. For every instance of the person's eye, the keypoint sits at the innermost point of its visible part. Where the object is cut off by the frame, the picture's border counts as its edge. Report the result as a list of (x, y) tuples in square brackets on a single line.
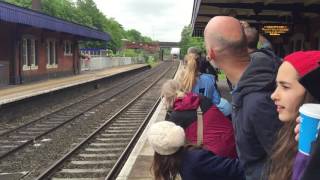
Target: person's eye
[(285, 87)]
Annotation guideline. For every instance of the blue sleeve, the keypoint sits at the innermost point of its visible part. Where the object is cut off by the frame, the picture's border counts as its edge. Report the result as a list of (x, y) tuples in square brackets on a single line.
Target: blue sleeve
[(206, 86), (215, 94), (211, 165), (215, 97)]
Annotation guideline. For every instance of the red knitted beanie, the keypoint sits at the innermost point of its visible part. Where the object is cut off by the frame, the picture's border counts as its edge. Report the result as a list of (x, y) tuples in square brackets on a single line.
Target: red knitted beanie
[(307, 64), (304, 61)]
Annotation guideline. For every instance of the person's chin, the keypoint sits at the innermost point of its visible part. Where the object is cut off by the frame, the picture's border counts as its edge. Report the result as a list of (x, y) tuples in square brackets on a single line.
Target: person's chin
[(284, 117)]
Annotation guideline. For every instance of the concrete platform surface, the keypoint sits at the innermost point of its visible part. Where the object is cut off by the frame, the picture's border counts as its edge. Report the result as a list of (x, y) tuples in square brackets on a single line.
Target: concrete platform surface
[(18, 92)]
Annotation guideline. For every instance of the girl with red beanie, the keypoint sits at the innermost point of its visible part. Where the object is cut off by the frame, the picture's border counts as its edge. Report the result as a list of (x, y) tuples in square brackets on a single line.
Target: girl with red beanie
[(296, 84)]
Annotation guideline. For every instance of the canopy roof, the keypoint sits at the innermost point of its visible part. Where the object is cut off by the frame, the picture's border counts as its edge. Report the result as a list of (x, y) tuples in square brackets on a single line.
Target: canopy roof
[(254, 11), (15, 14)]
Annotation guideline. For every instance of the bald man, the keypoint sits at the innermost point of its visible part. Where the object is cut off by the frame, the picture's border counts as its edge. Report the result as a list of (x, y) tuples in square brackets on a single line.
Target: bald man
[(254, 114)]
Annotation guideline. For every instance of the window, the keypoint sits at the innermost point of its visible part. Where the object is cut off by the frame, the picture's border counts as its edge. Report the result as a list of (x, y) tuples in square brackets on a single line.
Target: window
[(51, 54), (67, 48), (29, 54)]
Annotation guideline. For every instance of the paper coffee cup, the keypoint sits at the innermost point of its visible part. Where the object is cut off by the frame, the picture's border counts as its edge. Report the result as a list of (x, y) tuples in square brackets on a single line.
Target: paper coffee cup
[(309, 127)]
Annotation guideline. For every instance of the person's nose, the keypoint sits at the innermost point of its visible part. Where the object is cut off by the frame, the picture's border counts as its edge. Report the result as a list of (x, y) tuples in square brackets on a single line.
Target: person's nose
[(275, 95)]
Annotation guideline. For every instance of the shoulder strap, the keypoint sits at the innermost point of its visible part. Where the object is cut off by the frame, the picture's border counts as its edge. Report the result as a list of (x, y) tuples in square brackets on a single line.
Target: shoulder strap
[(199, 127)]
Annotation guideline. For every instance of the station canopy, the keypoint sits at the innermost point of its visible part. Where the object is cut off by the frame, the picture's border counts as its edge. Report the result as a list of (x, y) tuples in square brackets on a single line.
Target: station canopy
[(29, 17), (254, 11)]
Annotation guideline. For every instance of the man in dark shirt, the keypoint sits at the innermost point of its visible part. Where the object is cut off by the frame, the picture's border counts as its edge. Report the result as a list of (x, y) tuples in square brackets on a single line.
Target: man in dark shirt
[(255, 118)]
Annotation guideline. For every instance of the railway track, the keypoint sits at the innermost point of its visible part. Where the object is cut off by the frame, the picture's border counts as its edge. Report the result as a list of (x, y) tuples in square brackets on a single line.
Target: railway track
[(103, 152), (19, 137)]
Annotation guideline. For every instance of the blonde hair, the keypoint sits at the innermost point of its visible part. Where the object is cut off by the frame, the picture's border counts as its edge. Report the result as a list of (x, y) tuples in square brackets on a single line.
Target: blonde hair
[(170, 90), (192, 69)]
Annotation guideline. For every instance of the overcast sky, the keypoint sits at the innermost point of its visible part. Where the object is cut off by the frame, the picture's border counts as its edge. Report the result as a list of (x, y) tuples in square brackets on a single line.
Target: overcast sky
[(161, 20)]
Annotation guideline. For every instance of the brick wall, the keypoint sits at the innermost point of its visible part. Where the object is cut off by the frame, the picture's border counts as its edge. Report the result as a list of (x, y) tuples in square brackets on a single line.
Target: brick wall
[(65, 62), (6, 52)]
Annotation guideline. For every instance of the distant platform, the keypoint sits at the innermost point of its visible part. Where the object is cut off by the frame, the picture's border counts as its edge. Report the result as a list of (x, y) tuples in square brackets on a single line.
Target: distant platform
[(12, 93)]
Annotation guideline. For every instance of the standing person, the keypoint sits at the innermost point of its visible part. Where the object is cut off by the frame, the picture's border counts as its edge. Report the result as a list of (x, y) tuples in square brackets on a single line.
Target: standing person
[(252, 36), (197, 82), (173, 157), (294, 86), (217, 131), (254, 116)]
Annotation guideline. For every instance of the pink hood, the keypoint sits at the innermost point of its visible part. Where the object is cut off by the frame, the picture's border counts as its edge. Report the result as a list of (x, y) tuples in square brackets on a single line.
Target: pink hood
[(190, 101)]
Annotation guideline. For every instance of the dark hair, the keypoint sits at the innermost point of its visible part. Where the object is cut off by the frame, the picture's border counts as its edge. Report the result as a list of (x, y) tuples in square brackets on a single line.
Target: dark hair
[(252, 37), (166, 167)]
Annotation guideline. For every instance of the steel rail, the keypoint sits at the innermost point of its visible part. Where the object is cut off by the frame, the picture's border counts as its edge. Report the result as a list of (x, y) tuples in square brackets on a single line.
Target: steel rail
[(63, 108), (47, 173), (30, 141)]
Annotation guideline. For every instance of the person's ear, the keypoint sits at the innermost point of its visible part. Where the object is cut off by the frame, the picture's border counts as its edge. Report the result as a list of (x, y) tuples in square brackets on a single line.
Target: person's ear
[(211, 54)]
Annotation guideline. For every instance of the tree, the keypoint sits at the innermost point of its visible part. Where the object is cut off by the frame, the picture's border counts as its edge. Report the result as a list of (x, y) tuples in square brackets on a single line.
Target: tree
[(22, 3), (188, 41)]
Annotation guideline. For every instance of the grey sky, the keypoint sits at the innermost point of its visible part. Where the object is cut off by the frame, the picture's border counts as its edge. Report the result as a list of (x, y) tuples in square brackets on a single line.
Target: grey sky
[(161, 20)]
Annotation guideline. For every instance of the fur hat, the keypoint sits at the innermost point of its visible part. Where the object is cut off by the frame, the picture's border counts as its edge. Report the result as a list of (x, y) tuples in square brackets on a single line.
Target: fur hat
[(166, 137), (307, 64)]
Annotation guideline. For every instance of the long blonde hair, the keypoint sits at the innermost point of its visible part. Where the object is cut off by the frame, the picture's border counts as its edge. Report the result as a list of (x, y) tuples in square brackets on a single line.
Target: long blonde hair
[(170, 90), (192, 70)]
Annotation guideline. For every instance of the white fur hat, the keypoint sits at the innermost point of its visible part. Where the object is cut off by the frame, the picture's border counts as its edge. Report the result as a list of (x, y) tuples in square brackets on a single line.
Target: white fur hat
[(166, 137)]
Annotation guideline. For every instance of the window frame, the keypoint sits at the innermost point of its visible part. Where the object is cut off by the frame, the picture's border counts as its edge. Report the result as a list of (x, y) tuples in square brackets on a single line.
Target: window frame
[(51, 45), (68, 44), (29, 53)]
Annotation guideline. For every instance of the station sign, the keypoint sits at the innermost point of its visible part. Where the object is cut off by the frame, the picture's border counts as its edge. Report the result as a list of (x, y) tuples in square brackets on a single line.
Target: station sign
[(275, 29)]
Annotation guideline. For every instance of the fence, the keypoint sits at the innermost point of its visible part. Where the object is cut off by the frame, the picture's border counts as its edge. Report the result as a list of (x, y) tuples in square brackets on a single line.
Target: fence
[(96, 63)]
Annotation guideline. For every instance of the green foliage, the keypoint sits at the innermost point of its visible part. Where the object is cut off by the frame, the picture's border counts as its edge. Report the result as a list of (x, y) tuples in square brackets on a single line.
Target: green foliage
[(188, 41), (130, 53), (135, 36), (221, 76), (151, 60), (22, 3)]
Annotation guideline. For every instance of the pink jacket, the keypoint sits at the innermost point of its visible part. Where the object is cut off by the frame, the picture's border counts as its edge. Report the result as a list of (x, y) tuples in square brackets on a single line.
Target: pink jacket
[(218, 135)]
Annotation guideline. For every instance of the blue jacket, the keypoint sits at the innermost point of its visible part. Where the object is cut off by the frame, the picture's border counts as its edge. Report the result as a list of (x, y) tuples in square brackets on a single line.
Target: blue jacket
[(254, 116), (200, 164), (206, 86)]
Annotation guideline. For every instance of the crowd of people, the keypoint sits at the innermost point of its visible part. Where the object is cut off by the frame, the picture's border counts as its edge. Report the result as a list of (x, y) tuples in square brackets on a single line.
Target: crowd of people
[(204, 137)]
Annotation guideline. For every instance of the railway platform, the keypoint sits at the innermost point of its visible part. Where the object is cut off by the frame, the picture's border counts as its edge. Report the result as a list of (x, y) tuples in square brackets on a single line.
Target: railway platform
[(138, 165), (14, 93)]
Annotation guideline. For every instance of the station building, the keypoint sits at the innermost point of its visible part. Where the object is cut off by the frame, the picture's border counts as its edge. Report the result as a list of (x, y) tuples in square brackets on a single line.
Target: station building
[(35, 46), (290, 25)]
